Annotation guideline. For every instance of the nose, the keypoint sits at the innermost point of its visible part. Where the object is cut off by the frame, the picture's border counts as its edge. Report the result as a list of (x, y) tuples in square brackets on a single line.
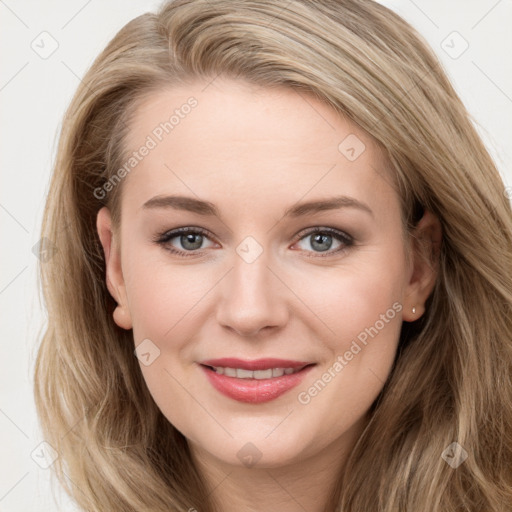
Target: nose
[(252, 298)]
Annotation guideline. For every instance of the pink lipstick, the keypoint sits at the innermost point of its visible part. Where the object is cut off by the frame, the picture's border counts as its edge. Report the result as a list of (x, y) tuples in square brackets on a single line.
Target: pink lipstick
[(255, 381)]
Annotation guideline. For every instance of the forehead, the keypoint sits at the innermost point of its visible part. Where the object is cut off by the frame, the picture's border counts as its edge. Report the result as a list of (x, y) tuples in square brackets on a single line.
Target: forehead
[(230, 139)]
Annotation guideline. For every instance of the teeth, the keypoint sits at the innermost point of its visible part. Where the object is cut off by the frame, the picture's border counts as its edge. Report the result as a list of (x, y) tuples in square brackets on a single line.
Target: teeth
[(229, 372), (258, 374), (241, 373)]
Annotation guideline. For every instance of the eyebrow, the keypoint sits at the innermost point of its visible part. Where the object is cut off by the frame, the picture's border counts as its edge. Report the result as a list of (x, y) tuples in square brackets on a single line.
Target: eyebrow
[(206, 208)]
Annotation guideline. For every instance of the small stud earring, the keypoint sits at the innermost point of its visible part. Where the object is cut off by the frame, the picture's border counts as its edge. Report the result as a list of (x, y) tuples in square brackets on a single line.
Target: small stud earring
[(413, 310)]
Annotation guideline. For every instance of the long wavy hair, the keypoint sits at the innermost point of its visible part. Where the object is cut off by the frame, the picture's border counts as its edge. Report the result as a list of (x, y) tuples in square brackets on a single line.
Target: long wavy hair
[(452, 377)]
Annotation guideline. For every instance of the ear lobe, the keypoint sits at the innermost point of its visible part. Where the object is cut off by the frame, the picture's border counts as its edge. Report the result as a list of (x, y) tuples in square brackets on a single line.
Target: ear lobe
[(114, 275), (426, 248)]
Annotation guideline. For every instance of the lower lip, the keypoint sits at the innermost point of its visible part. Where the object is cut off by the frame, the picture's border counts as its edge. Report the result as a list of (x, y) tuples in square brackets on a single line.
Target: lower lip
[(254, 391)]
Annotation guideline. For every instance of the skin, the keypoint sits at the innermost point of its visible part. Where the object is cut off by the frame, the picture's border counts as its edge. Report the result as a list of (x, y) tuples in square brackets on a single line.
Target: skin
[(254, 152)]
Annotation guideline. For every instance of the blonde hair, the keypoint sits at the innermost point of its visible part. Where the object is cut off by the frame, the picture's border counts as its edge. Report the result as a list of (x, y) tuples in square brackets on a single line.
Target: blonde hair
[(452, 378)]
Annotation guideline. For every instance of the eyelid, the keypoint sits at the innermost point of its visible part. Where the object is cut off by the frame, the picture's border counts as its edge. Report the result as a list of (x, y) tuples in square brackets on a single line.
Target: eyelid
[(324, 229)]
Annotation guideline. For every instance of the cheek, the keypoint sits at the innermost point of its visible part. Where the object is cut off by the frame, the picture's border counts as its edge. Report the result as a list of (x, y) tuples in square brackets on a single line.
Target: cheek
[(165, 302), (354, 296), (360, 306), (164, 297)]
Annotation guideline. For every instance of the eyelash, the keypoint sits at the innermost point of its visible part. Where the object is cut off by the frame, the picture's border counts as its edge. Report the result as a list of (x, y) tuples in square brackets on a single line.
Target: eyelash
[(165, 237)]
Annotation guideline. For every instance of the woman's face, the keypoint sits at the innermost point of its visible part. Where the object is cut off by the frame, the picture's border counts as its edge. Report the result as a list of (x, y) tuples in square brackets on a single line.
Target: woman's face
[(254, 173)]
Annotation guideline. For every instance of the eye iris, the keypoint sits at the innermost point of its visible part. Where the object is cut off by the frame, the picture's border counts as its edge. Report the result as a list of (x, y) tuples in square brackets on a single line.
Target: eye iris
[(319, 238), (189, 238)]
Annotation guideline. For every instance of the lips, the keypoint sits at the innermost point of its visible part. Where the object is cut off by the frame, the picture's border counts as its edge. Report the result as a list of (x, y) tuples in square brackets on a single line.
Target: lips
[(254, 390)]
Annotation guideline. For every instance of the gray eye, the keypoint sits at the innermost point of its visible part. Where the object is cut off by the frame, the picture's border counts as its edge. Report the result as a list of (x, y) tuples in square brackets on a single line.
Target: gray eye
[(191, 241), (321, 241)]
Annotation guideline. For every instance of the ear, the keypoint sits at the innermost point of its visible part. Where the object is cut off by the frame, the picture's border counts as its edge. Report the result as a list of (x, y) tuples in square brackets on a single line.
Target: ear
[(114, 274), (426, 248)]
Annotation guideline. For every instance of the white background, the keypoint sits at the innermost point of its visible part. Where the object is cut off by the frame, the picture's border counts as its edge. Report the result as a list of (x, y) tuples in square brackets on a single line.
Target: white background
[(34, 93)]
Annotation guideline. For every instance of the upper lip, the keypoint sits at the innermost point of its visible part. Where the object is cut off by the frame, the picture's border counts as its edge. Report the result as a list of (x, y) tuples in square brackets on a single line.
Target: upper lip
[(255, 364)]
